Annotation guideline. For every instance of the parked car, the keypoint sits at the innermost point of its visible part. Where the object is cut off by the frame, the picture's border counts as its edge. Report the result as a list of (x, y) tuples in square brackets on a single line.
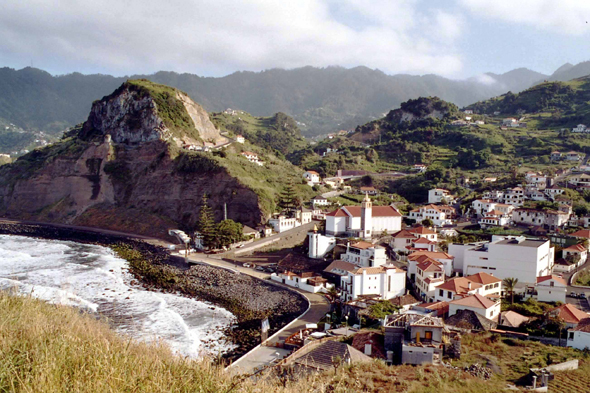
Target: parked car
[(247, 265), (260, 268), (581, 296), (573, 294)]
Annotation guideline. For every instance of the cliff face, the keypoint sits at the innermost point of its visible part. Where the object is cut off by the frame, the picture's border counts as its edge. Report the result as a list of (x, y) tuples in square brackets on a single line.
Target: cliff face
[(121, 171)]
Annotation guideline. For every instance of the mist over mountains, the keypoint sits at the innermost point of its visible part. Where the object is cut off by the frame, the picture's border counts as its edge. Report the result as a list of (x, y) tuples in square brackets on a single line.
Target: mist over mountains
[(320, 99)]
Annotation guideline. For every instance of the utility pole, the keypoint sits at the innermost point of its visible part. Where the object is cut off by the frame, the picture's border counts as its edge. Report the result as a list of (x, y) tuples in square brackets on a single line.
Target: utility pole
[(225, 211)]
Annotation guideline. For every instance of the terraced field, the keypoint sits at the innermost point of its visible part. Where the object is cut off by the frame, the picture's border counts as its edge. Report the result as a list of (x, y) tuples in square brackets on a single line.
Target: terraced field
[(577, 381)]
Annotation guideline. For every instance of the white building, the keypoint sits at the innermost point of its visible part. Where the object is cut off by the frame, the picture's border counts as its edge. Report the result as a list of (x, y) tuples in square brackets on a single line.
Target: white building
[(484, 306), (573, 156), (438, 195), (514, 196), (580, 128), (418, 256), (363, 221), (240, 139), (510, 122), (551, 289), (306, 281), (320, 245), (495, 218), (576, 252), (364, 254), (435, 213), (386, 281), (518, 257), (429, 274), (579, 337), (281, 222), (312, 177), (458, 287), (319, 201), (550, 219), (252, 157), (482, 206)]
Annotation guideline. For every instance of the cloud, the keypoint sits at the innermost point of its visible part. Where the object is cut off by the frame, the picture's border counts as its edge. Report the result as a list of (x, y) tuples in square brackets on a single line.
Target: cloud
[(485, 79), (567, 17), (215, 37)]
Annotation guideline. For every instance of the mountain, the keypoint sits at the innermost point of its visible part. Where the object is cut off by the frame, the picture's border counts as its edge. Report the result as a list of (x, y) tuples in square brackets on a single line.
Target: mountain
[(568, 72), (127, 166), (321, 100), (517, 80)]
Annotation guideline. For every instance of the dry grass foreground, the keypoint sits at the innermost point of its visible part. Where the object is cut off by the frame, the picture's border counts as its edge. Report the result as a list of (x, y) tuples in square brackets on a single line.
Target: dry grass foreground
[(49, 348)]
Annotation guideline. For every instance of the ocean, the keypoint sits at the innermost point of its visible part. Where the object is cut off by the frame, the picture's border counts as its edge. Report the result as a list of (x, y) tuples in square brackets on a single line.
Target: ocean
[(94, 279)]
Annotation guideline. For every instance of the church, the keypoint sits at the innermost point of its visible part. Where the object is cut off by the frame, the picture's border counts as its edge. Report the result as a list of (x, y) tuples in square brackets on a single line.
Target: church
[(363, 221)]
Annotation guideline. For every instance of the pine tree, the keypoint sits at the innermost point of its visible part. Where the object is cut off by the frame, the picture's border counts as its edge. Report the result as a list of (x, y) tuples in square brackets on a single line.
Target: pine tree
[(288, 198), (206, 224)]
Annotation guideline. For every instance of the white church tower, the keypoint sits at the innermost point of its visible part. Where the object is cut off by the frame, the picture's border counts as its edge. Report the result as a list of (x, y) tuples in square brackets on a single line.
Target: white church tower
[(366, 217)]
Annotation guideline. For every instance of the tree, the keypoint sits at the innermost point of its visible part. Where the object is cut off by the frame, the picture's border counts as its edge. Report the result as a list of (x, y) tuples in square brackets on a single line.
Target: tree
[(510, 284), (288, 198), (206, 224), (229, 232), (427, 223)]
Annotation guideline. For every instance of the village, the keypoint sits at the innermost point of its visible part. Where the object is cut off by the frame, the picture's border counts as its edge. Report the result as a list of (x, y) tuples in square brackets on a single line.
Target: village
[(422, 279)]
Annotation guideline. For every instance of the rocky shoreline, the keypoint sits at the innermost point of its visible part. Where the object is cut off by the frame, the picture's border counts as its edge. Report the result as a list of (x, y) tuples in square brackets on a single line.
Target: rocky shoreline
[(248, 298)]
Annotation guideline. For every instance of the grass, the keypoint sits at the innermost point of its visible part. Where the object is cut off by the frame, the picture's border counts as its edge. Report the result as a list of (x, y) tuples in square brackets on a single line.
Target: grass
[(50, 348), (583, 278), (572, 381)]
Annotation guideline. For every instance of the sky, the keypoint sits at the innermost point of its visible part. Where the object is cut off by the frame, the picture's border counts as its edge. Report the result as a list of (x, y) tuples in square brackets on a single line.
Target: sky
[(452, 38)]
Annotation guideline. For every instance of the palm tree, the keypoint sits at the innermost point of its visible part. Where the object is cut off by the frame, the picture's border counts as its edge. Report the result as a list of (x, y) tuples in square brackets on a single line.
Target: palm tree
[(510, 283)]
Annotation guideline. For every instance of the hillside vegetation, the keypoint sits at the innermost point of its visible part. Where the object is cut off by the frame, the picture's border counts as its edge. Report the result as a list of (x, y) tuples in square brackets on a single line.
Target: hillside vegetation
[(49, 348)]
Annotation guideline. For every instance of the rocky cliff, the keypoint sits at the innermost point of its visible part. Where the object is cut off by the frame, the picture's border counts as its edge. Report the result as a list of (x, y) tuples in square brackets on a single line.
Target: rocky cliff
[(125, 168)]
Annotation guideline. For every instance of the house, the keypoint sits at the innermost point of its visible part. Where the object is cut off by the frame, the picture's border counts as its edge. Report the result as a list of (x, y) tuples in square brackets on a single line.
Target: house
[(418, 256), (581, 234), (582, 180), (364, 254), (551, 219), (240, 139), (468, 112), (283, 222), (420, 168), (568, 313), (250, 232), (429, 274), (510, 122), (505, 256), (564, 266), (482, 206), (438, 195), (579, 337), (481, 305), (480, 122), (459, 123), (512, 319), (580, 128), (402, 240), (386, 281), (436, 309), (319, 201), (555, 156), (573, 156), (312, 177), (456, 288), (424, 232), (466, 320), (252, 157), (363, 221), (306, 281), (490, 286), (435, 213), (414, 338), (495, 218), (551, 289), (514, 196), (369, 190), (468, 118), (553, 191), (577, 253), (321, 355)]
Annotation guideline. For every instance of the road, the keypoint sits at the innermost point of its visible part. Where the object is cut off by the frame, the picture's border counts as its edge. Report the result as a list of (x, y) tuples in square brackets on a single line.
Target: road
[(582, 304)]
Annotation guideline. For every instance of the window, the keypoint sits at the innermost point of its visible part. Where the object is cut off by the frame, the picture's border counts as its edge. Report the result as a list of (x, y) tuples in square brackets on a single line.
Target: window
[(440, 292), (449, 295)]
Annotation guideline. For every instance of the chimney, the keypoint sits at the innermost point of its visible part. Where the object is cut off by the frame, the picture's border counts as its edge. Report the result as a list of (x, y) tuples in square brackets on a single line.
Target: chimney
[(469, 285)]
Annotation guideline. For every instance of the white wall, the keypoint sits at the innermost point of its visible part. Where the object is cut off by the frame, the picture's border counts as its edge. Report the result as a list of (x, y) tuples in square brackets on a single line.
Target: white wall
[(580, 340), (390, 224), (490, 313), (335, 225), (547, 293), (319, 245)]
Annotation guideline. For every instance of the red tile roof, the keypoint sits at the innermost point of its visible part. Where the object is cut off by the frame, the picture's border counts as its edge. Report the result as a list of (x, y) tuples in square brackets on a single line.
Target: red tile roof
[(569, 313), (362, 245), (459, 285), (422, 231), (430, 254), (423, 240), (585, 233), (583, 326), (378, 211), (337, 213), (483, 278), (576, 248), (551, 277), (476, 301), (430, 265), (403, 234)]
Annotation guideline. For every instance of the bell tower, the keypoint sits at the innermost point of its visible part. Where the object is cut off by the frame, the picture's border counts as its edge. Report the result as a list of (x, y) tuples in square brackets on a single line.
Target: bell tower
[(366, 217)]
